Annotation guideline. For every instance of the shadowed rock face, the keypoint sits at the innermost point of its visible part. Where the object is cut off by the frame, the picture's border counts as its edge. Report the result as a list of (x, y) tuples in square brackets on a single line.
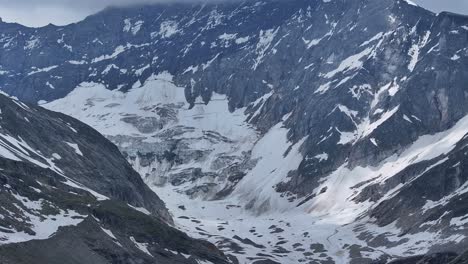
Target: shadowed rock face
[(75, 150), (373, 94), (67, 195)]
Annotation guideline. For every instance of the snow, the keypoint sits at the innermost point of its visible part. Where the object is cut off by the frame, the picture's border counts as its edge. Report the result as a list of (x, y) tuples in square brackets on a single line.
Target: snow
[(394, 88), (168, 29), (19, 150), (407, 118), (47, 69), (75, 62), (77, 185), (455, 57), (214, 20), (414, 53), (140, 71), (141, 246), (157, 90), (242, 40), (330, 217), (365, 128), (374, 38), (322, 157), (309, 66), (344, 109), (459, 221), (323, 88), (32, 43), (75, 148), (359, 90), (109, 233), (272, 168), (62, 41), (311, 43), (351, 63), (227, 37), (410, 2), (44, 226), (415, 50), (50, 85), (109, 68), (425, 148), (208, 64), (211, 128), (336, 204), (327, 217), (192, 69), (140, 209), (133, 28), (262, 100), (265, 39), (116, 52)]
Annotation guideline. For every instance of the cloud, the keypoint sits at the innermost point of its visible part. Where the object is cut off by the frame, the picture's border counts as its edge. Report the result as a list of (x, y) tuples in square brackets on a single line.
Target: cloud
[(456, 6), (41, 16), (60, 12), (36, 13), (32, 13)]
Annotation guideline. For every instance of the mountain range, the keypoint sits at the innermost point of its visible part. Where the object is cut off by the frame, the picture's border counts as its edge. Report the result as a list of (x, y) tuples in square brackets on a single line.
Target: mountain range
[(300, 131)]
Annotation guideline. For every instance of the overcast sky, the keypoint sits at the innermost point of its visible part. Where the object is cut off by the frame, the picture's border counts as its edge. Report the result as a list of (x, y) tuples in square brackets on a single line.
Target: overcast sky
[(42, 12)]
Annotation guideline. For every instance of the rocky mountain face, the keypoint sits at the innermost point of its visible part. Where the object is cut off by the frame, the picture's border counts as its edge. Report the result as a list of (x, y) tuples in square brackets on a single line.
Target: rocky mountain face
[(290, 131), (69, 196)]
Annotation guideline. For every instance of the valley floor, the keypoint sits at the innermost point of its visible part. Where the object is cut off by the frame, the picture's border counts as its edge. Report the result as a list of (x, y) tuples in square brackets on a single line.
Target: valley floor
[(153, 123), (292, 237)]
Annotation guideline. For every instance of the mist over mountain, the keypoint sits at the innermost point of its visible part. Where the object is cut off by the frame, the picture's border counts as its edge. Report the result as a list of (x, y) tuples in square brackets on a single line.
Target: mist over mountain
[(31, 13)]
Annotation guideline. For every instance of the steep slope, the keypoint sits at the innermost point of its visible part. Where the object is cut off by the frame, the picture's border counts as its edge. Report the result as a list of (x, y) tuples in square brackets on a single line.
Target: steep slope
[(73, 150), (304, 130), (69, 196)]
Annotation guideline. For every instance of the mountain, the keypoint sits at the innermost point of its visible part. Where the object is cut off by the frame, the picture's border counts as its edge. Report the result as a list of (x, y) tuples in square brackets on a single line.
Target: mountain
[(329, 131), (69, 196)]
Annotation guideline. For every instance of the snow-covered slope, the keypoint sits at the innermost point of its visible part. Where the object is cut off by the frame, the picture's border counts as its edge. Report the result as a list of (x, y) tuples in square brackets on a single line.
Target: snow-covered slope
[(248, 217), (293, 131), (67, 195), (167, 141)]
